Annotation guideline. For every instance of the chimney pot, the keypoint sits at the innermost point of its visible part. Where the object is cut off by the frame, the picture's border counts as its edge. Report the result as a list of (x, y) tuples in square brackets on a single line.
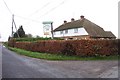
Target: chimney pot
[(65, 21), (82, 17), (72, 19)]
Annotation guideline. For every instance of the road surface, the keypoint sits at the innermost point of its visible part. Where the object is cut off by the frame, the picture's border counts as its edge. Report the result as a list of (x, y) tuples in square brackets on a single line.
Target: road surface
[(18, 66), (0, 60)]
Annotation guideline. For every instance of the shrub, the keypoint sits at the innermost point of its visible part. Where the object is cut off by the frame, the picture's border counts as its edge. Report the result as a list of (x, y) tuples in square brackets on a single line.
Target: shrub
[(70, 47)]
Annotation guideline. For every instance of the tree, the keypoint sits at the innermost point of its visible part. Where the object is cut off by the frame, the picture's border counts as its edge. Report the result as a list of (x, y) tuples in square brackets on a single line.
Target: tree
[(20, 31), (15, 35), (37, 36), (29, 35)]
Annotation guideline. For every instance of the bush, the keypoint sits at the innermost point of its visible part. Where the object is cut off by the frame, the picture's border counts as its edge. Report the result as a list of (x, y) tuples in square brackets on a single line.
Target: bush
[(34, 39), (70, 47)]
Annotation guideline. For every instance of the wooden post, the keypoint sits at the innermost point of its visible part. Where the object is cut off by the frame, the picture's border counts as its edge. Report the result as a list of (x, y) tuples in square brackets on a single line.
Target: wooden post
[(13, 22), (12, 25)]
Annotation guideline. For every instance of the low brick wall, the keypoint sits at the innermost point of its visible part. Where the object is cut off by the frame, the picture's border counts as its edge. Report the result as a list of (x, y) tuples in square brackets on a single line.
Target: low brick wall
[(70, 47)]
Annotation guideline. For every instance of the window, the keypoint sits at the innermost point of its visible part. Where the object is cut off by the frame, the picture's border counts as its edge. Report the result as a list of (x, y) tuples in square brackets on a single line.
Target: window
[(76, 30), (61, 32), (66, 31), (54, 33)]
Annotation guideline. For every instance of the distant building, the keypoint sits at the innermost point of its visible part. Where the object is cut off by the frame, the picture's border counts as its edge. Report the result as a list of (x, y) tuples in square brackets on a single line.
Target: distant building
[(82, 29)]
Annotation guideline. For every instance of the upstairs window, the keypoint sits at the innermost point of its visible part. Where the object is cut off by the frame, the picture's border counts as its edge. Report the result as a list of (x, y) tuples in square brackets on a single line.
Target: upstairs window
[(76, 30)]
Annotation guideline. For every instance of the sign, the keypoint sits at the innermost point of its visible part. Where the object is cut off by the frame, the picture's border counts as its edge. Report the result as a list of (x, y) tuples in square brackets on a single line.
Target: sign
[(47, 28)]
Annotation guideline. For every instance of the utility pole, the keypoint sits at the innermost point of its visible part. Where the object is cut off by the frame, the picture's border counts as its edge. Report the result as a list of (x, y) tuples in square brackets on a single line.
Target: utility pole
[(13, 23), (52, 30)]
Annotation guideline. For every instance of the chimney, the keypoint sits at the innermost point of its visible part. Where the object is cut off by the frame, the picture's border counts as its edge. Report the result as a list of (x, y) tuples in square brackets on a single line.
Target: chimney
[(82, 17), (72, 19), (65, 21)]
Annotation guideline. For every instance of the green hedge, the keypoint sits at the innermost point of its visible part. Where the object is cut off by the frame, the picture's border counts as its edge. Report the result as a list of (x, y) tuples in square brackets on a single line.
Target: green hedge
[(33, 39)]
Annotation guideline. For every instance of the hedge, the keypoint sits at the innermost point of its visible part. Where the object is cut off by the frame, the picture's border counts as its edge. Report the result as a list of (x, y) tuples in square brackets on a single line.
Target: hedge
[(33, 39), (70, 47)]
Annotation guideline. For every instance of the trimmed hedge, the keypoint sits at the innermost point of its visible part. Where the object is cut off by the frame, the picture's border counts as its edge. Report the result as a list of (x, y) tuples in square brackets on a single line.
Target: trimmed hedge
[(33, 39), (70, 47)]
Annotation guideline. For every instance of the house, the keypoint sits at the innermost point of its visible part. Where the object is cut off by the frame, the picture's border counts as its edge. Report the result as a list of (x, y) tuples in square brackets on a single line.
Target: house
[(82, 29)]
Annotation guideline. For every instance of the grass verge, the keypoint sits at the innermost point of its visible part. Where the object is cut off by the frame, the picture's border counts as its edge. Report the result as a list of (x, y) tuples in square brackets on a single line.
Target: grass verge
[(48, 56)]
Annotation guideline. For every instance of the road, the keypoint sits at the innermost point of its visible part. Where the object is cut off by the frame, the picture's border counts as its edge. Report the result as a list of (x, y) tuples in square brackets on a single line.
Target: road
[(0, 60), (18, 66)]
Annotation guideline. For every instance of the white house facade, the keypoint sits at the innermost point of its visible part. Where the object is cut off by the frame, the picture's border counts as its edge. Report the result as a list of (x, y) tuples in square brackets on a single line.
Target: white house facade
[(71, 32)]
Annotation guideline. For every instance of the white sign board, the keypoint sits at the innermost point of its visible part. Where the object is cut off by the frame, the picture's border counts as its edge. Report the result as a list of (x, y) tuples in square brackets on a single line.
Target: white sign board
[(47, 28)]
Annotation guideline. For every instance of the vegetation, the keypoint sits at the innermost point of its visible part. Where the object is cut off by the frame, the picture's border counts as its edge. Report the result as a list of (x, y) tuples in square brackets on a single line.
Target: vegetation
[(70, 47), (59, 56), (65, 50), (34, 39), (28, 35), (19, 32)]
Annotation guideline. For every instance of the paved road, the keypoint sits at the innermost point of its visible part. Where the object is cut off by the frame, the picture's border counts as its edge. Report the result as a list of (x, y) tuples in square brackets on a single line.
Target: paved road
[(0, 61), (17, 66)]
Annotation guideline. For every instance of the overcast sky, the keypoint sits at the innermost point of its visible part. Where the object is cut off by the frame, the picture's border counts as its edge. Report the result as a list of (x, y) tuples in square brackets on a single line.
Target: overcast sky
[(31, 14)]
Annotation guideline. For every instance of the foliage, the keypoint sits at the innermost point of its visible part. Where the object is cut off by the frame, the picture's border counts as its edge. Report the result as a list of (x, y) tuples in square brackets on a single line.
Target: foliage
[(34, 39), (5, 44), (19, 32), (28, 35), (70, 47)]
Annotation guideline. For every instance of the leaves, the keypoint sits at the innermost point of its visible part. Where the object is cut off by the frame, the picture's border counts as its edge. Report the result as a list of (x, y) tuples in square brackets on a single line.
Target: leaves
[(19, 33), (71, 47)]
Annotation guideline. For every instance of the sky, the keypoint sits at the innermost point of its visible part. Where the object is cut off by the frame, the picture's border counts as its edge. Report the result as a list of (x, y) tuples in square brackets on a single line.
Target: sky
[(31, 14)]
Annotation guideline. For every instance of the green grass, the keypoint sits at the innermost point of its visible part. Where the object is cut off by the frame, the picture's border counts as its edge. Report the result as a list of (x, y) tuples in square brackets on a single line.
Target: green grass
[(47, 56)]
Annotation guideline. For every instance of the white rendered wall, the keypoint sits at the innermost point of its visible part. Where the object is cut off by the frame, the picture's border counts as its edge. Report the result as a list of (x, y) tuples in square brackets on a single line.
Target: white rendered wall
[(81, 31)]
